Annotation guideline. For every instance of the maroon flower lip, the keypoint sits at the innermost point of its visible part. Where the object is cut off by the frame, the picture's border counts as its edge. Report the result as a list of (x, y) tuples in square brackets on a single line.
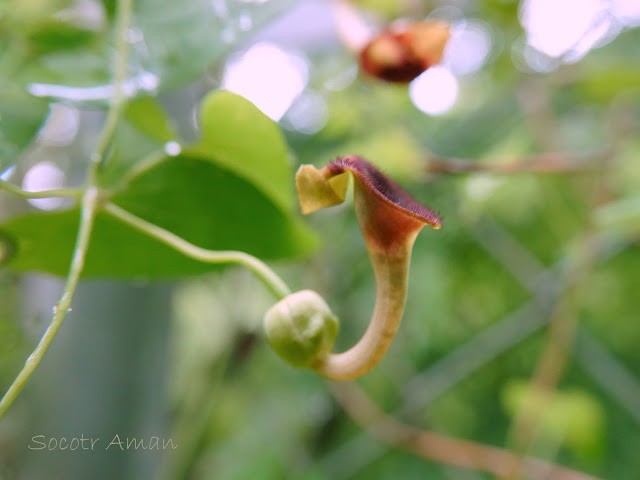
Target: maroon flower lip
[(385, 188)]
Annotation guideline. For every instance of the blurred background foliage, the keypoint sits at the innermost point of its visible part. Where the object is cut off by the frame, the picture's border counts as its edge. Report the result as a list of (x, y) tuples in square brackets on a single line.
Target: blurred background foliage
[(554, 84)]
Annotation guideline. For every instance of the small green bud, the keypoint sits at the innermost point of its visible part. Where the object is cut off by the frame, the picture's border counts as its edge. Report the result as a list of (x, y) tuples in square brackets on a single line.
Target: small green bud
[(301, 328)]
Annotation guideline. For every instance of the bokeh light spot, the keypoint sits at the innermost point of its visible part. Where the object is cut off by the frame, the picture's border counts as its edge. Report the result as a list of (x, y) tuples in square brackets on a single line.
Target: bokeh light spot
[(435, 91), (267, 76), (44, 176), (468, 48)]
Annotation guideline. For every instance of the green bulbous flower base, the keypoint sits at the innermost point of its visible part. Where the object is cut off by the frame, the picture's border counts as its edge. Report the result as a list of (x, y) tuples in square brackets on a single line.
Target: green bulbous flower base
[(301, 328)]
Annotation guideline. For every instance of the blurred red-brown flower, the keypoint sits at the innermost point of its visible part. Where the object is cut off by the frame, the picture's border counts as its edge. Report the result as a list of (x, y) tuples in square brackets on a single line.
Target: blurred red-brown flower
[(403, 51)]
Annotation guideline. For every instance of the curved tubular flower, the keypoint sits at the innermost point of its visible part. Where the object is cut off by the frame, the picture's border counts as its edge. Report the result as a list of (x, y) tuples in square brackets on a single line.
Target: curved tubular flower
[(389, 220)]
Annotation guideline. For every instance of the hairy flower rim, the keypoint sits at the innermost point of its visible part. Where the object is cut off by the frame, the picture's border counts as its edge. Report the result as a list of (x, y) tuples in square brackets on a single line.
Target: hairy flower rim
[(385, 188)]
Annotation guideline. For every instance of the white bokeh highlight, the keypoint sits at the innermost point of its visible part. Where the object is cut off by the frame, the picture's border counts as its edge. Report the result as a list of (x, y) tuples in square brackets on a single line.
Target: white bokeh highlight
[(554, 27), (61, 126), (143, 82), (565, 31), (44, 176), (435, 91), (308, 114), (468, 48), (172, 148), (267, 76), (626, 11)]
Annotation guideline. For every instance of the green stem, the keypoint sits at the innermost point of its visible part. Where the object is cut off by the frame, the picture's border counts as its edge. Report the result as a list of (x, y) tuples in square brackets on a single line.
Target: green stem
[(90, 202), (272, 281), (143, 165), (59, 192), (119, 75), (391, 273)]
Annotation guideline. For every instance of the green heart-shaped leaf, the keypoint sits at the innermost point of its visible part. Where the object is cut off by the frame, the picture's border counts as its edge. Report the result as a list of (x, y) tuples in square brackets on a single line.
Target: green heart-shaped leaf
[(238, 136), (191, 197), (233, 190)]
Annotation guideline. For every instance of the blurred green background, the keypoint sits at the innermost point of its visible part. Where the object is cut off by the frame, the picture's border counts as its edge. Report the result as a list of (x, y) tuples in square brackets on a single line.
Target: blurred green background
[(184, 358)]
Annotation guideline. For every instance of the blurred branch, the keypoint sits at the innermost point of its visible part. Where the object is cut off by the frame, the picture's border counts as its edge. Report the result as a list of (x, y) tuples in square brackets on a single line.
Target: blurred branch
[(604, 367), (192, 421), (459, 364), (614, 377), (268, 277), (481, 349), (519, 261), (190, 425), (547, 287), (563, 326), (440, 448), (553, 162), (59, 192), (549, 369), (553, 359), (89, 205), (536, 108)]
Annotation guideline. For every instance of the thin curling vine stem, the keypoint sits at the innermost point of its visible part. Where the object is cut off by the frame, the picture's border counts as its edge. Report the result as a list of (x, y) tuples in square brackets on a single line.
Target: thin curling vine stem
[(89, 205), (59, 192), (120, 66), (391, 273), (271, 280)]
